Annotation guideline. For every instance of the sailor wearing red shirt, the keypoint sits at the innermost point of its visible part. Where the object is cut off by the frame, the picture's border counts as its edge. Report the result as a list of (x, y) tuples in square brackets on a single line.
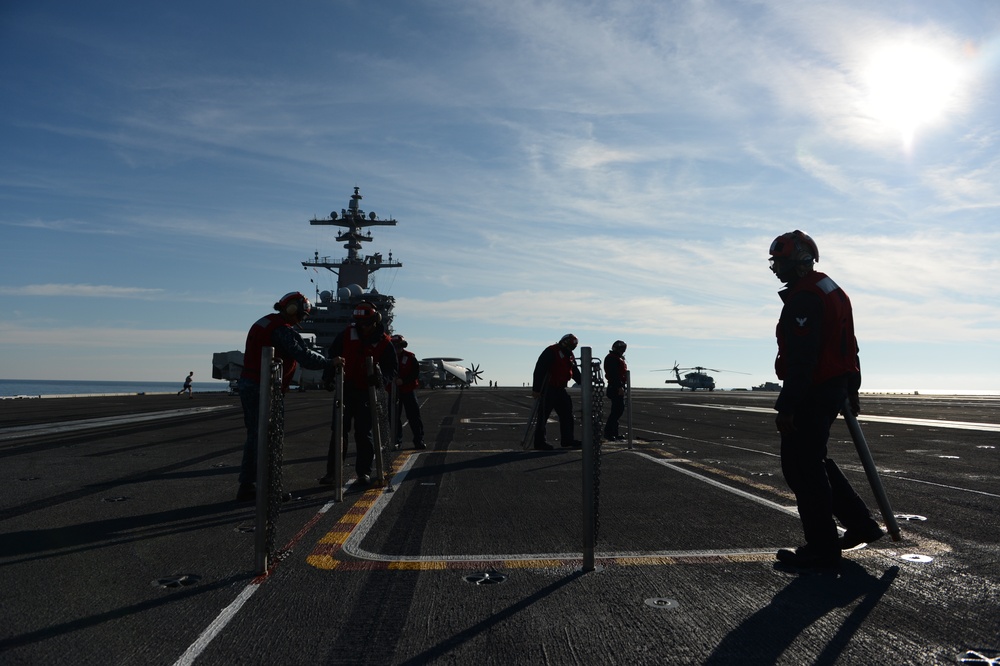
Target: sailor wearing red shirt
[(556, 365), (616, 376), (406, 384), (818, 363), (273, 330), (364, 338)]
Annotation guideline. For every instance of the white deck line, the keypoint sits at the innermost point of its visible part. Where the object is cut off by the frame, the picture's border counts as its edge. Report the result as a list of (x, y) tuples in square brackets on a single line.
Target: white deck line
[(352, 545), (18, 432), (898, 420)]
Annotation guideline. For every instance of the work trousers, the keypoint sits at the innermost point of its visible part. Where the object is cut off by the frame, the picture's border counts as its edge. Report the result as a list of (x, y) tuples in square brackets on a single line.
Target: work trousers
[(407, 402), (556, 399), (821, 490), (617, 409), (250, 400), (357, 414)]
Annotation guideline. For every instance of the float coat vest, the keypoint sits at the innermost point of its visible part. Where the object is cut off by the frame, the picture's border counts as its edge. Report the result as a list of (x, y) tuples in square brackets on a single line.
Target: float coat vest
[(615, 370), (838, 350), (356, 351), (409, 371), (260, 337), (561, 370)]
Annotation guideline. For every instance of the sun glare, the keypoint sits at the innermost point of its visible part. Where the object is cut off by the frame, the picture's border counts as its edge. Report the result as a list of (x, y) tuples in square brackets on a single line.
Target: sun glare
[(910, 86)]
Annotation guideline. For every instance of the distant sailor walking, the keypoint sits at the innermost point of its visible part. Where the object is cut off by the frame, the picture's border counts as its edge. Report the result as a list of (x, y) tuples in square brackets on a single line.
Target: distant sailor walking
[(616, 376), (187, 385), (273, 330), (555, 367), (406, 384), (818, 363)]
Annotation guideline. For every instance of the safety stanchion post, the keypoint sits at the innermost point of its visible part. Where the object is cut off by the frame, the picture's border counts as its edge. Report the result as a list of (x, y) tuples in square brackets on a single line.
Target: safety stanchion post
[(338, 434), (628, 405), (589, 536), (869, 464), (394, 415), (263, 466), (377, 435), (536, 408)]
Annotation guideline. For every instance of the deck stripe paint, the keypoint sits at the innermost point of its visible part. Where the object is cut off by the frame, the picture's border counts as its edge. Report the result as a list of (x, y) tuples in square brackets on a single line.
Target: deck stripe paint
[(898, 420), (351, 530)]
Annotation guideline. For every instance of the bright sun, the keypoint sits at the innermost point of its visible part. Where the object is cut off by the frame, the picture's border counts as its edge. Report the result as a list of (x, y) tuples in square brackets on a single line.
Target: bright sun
[(910, 86)]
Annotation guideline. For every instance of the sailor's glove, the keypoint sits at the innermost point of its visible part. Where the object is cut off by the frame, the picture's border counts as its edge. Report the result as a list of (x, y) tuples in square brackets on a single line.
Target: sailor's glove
[(855, 401)]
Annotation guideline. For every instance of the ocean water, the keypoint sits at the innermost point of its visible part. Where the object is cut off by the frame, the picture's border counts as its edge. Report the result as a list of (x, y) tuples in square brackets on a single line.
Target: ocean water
[(11, 388)]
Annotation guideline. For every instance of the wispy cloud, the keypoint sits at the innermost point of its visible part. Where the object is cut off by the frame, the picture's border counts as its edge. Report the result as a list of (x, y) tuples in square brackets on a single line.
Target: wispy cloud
[(80, 291)]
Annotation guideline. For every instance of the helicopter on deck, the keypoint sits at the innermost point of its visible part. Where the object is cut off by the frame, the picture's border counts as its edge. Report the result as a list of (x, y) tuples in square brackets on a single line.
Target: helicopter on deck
[(441, 372), (698, 379)]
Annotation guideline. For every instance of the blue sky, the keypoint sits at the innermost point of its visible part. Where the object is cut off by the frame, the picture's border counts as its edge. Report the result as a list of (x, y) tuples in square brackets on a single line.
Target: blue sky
[(612, 169)]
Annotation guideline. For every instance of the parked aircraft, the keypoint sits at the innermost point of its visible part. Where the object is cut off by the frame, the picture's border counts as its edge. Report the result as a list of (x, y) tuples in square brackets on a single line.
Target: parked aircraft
[(440, 372)]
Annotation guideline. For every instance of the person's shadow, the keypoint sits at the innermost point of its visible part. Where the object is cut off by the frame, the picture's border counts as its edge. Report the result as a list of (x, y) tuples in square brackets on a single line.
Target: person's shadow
[(766, 634)]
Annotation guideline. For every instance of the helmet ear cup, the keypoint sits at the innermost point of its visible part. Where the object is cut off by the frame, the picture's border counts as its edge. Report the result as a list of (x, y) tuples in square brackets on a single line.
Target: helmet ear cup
[(294, 304)]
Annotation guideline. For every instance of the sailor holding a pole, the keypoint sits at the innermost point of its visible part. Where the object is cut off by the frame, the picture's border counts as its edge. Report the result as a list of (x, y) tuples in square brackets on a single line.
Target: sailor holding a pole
[(818, 363)]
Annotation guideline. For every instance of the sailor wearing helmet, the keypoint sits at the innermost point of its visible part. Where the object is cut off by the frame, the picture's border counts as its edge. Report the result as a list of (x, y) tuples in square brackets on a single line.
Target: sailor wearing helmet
[(364, 338), (555, 367), (275, 330), (818, 363)]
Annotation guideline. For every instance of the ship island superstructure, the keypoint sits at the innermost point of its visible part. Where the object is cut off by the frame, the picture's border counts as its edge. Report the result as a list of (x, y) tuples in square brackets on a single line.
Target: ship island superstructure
[(332, 310)]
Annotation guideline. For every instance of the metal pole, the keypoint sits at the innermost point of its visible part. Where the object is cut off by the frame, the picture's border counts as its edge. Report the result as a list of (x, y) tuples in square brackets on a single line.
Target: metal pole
[(263, 466), (376, 426), (394, 416), (536, 408), (869, 464), (338, 434), (628, 404), (588, 462)]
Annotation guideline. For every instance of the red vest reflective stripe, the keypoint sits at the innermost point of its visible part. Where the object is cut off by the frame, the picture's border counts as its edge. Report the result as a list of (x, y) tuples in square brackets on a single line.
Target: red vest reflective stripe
[(355, 352), (409, 371), (838, 354), (561, 370), (258, 337)]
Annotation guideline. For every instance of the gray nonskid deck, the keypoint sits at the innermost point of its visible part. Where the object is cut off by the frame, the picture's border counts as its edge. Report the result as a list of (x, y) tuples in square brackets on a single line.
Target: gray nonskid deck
[(475, 554)]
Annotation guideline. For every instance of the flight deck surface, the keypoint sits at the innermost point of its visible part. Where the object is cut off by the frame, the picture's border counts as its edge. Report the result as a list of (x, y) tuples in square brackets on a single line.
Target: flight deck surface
[(121, 541)]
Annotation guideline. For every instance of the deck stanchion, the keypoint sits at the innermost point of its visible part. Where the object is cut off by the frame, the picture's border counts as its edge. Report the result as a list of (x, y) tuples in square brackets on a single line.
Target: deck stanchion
[(338, 435), (536, 408), (263, 467), (589, 536), (628, 404), (395, 417), (869, 464), (377, 435)]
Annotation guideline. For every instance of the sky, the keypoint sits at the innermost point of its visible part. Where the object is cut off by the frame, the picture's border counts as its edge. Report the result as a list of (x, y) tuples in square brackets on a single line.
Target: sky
[(614, 169)]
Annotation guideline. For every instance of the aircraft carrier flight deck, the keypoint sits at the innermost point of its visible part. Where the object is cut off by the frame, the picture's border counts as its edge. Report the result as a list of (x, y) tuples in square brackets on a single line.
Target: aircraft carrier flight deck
[(121, 541)]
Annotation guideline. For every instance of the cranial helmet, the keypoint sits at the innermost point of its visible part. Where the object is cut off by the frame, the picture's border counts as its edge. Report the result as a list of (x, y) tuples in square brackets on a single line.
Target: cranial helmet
[(792, 255), (365, 313), (794, 246), (619, 347), (569, 340), (398, 341), (294, 304)]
